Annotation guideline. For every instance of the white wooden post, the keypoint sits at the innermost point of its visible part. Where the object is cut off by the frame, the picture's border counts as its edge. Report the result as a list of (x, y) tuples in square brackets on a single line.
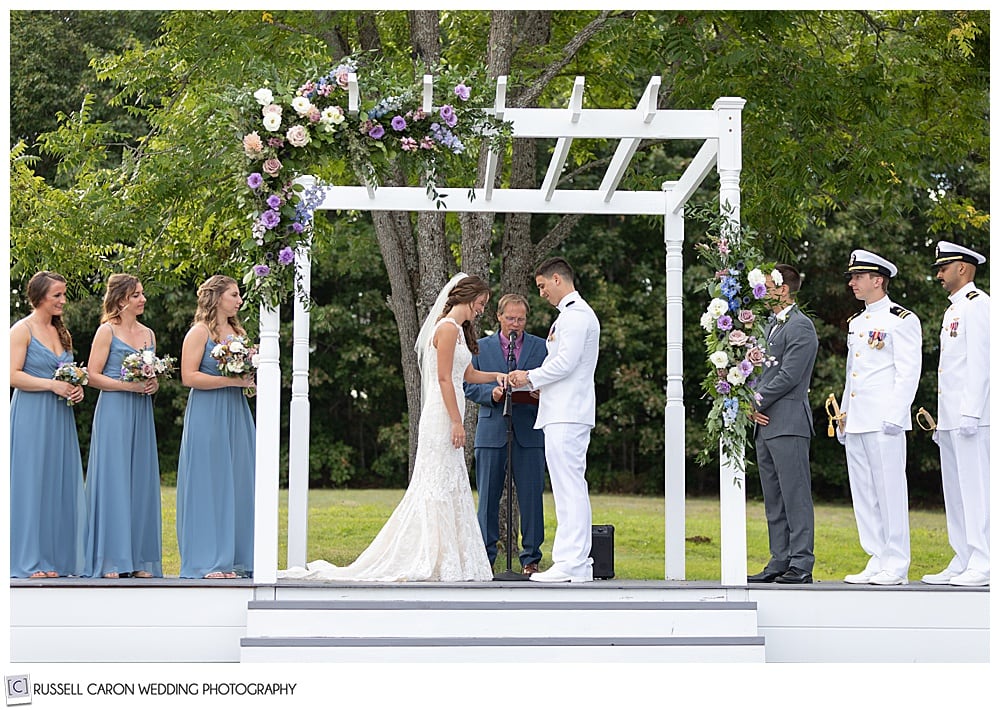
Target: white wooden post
[(265, 532), (732, 472), (298, 419), (673, 417)]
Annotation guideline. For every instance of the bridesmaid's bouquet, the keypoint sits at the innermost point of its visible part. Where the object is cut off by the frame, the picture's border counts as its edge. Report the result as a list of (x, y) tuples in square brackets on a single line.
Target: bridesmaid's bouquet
[(145, 365), (72, 373), (237, 357)]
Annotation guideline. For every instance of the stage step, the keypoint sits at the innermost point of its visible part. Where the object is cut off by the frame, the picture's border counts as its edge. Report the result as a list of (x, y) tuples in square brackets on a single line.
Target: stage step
[(561, 630)]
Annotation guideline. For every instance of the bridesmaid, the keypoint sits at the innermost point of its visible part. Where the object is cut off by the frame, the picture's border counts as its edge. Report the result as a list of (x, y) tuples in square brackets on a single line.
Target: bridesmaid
[(215, 473), (48, 511), (123, 471)]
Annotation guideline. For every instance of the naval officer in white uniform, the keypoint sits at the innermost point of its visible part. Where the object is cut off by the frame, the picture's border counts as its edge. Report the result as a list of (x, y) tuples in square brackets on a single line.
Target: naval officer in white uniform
[(567, 405), (883, 369), (963, 424)]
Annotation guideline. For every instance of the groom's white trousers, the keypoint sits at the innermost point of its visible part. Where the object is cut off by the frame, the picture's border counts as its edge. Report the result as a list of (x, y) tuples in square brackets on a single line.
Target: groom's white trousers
[(566, 457)]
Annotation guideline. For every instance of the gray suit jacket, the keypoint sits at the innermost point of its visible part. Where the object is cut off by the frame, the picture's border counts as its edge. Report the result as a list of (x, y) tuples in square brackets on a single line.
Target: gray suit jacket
[(784, 387)]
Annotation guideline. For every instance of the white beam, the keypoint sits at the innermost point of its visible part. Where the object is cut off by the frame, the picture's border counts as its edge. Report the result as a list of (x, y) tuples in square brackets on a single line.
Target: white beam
[(492, 159), (576, 100), (693, 176), (616, 168), (673, 459), (647, 104), (556, 164), (414, 199), (298, 418), (268, 441), (353, 94), (611, 124), (428, 105)]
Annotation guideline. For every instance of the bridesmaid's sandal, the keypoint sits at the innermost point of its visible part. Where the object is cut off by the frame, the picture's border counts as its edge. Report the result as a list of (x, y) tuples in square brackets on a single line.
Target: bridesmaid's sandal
[(230, 575), (38, 575), (215, 575), (111, 575), (52, 574), (142, 574)]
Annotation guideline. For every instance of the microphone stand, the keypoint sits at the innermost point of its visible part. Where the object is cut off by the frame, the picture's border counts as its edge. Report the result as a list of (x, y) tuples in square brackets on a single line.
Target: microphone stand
[(509, 575)]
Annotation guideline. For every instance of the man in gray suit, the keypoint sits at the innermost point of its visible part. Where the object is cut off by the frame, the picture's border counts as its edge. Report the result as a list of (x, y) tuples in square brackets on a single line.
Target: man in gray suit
[(784, 428)]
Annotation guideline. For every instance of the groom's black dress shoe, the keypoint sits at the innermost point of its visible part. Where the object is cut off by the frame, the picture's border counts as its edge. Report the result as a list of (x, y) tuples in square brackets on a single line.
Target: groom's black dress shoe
[(794, 575), (766, 575)]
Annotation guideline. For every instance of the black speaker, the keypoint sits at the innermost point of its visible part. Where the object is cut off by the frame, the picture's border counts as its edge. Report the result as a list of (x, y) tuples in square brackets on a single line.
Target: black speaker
[(602, 551)]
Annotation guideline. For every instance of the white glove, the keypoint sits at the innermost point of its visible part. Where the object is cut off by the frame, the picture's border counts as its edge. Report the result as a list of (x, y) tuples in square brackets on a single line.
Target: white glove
[(890, 429), (968, 426), (936, 437), (841, 436)]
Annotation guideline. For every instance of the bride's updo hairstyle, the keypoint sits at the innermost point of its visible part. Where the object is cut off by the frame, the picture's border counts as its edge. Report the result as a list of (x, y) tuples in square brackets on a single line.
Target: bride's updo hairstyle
[(466, 291)]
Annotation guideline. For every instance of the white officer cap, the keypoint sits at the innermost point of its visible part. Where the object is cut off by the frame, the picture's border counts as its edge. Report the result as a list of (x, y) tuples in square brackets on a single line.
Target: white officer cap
[(947, 252), (863, 261)]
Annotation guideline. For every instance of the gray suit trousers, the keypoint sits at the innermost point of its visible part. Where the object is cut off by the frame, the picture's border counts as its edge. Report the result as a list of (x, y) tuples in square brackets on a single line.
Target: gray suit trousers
[(783, 462)]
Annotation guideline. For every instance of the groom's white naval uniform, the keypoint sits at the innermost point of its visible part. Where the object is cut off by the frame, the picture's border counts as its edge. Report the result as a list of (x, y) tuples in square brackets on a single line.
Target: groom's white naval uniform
[(567, 406)]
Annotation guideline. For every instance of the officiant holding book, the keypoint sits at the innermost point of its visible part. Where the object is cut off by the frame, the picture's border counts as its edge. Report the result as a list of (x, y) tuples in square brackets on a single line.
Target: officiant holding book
[(509, 348)]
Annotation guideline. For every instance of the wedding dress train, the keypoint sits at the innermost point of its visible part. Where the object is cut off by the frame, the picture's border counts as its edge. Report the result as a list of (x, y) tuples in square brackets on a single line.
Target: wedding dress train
[(433, 534)]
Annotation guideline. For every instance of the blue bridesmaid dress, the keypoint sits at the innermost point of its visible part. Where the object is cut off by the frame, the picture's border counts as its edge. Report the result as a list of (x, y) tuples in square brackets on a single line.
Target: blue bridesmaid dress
[(48, 511), (123, 480), (215, 480)]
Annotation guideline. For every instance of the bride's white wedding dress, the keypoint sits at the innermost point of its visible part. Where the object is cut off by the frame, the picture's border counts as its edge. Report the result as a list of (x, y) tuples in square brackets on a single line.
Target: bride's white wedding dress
[(433, 534)]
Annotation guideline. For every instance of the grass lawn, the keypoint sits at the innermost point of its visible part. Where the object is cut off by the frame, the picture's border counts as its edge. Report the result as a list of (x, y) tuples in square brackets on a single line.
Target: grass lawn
[(343, 522)]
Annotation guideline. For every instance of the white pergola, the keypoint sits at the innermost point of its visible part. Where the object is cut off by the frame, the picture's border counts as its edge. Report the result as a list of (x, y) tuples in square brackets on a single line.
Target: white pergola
[(720, 129)]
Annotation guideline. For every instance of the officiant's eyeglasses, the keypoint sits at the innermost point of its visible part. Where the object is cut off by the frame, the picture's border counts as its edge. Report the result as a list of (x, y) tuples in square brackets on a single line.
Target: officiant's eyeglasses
[(513, 319)]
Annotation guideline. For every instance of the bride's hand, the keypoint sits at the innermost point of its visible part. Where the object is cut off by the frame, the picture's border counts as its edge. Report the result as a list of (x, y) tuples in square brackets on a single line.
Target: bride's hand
[(502, 379), (457, 435)]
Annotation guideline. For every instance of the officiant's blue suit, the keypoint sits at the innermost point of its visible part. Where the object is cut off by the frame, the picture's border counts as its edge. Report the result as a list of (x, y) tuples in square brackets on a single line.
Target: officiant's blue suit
[(528, 450)]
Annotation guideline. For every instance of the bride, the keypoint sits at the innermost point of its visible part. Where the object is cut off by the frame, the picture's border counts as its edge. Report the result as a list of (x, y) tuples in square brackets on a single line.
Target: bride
[(433, 534)]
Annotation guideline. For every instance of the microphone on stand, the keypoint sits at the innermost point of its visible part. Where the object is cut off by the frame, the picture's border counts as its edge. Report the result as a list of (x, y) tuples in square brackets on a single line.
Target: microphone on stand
[(509, 575)]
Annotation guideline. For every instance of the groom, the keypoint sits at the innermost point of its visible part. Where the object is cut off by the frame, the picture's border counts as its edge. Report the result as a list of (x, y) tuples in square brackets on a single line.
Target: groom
[(566, 411)]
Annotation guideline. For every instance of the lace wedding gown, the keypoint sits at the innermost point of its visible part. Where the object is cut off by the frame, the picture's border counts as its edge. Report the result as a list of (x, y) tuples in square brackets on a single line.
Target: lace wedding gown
[(433, 534)]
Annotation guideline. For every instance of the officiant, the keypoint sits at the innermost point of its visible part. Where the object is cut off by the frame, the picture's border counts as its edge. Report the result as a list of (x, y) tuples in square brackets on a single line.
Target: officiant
[(510, 346)]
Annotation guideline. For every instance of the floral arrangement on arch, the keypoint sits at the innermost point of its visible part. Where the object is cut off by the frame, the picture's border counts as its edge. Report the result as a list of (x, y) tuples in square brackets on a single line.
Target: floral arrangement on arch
[(287, 131), (734, 323)]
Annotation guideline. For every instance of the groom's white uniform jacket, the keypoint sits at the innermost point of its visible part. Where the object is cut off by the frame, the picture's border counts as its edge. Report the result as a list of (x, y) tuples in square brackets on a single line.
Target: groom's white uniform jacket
[(566, 377)]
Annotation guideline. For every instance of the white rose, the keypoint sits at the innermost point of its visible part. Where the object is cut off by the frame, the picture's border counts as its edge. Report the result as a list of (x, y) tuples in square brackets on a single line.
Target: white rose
[(777, 277), (707, 322), (297, 135), (218, 351), (717, 307), (255, 361), (236, 366), (237, 347), (756, 276), (333, 115), (148, 357), (719, 358), (736, 377), (301, 105), (272, 122), (264, 96)]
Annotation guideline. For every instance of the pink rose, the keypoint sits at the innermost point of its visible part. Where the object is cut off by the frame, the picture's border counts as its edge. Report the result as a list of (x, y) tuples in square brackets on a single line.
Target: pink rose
[(297, 135), (737, 338), (252, 145), (272, 109), (746, 317), (755, 356), (148, 371), (271, 166)]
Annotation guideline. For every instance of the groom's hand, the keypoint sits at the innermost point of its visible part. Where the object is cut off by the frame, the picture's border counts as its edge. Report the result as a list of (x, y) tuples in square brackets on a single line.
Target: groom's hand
[(517, 378)]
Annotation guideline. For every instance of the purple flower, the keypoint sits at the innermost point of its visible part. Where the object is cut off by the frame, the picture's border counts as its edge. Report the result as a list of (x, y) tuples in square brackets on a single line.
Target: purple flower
[(745, 368), (448, 115), (723, 387), (274, 202), (398, 123), (262, 269), (270, 219), (297, 227), (255, 180), (759, 291), (286, 256), (376, 132), (462, 92), (724, 322)]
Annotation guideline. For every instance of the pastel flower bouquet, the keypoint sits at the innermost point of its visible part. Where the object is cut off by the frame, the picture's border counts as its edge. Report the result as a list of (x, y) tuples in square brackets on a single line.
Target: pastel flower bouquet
[(146, 365), (734, 324), (237, 357), (74, 374), (307, 128)]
